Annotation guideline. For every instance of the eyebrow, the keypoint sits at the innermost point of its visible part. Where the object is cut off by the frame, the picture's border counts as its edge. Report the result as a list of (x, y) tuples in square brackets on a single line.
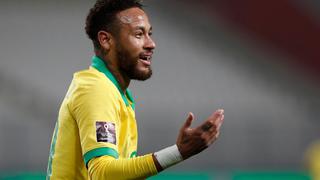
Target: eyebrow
[(142, 28)]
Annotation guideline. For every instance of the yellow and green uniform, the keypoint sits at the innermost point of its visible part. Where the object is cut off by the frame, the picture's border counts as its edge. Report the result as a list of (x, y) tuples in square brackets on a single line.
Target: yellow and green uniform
[(96, 134), (313, 159)]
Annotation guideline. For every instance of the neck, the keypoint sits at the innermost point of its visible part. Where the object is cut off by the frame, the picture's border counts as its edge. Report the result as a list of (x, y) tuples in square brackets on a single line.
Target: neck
[(113, 67)]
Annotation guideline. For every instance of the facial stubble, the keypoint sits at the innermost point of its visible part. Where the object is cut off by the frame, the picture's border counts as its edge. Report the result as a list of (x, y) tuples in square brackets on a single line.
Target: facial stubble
[(129, 65)]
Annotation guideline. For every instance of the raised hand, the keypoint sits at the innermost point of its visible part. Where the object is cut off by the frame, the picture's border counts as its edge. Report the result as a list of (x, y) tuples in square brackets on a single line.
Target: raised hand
[(192, 141)]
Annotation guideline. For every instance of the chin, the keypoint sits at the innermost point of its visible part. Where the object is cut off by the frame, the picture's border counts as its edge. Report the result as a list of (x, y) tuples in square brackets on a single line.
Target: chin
[(142, 75)]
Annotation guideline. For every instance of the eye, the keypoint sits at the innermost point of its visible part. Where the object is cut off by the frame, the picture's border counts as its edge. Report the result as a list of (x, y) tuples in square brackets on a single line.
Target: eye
[(150, 33), (139, 34)]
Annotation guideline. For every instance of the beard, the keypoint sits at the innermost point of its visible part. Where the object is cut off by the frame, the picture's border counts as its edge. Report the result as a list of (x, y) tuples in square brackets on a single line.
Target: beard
[(129, 65)]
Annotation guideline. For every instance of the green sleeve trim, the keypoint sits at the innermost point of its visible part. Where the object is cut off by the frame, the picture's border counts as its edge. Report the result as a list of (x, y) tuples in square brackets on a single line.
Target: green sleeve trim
[(100, 152), (133, 154)]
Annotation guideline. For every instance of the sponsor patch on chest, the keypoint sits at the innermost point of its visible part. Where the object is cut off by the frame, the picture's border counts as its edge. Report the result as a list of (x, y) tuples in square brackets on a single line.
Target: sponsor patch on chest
[(106, 132)]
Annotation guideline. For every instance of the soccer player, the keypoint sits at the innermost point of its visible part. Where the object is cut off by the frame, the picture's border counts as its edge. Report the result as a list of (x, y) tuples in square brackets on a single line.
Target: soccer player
[(312, 159), (96, 134)]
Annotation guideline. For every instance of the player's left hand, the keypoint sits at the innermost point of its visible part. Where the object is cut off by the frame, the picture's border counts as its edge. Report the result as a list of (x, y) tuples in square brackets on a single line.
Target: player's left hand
[(192, 141)]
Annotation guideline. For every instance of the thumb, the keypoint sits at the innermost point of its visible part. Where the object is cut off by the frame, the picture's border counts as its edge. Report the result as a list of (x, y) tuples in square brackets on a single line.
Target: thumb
[(189, 120)]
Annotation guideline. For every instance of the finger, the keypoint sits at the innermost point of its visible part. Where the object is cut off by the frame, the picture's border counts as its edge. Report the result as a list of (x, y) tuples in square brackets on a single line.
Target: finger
[(220, 122), (217, 124), (207, 126), (213, 137), (189, 120), (212, 119), (215, 132), (215, 116)]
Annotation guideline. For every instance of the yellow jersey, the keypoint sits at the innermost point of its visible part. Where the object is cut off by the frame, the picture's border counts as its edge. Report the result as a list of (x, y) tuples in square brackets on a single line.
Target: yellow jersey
[(96, 118), (313, 160)]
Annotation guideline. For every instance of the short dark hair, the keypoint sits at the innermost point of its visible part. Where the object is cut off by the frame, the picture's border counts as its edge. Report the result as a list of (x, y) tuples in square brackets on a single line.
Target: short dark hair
[(102, 16)]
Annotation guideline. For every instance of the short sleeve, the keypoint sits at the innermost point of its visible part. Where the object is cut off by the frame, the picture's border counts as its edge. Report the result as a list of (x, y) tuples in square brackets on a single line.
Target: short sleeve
[(95, 108)]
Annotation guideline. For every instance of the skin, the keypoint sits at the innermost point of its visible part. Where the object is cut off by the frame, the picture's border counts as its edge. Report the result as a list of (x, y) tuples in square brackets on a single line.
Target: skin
[(192, 141), (133, 39), (122, 55)]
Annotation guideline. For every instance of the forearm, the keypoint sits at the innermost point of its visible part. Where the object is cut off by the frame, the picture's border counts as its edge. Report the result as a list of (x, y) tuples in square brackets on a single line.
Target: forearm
[(107, 167)]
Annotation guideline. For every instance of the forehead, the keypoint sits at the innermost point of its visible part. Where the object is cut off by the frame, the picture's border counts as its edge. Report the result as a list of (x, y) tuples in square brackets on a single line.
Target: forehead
[(133, 17)]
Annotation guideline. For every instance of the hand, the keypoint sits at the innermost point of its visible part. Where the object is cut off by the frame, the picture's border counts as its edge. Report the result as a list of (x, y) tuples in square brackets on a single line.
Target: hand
[(192, 141)]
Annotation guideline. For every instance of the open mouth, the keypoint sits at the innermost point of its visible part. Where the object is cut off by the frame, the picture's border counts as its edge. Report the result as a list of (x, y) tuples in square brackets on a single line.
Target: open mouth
[(145, 59)]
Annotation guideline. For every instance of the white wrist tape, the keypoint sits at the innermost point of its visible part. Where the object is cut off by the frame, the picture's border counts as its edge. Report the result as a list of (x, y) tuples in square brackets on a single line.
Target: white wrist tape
[(168, 156)]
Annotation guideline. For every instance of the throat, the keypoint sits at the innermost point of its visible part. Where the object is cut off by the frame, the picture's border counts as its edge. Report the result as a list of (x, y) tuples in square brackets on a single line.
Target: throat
[(122, 79)]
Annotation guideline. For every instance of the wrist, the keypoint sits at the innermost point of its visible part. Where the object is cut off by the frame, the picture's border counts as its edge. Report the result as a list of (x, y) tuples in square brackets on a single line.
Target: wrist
[(168, 157), (156, 163)]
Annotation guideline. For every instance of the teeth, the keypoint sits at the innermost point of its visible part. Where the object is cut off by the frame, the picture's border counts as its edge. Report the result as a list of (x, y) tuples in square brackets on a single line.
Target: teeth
[(146, 58)]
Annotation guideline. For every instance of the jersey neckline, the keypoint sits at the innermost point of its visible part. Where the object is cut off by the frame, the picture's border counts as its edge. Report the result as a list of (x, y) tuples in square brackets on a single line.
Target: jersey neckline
[(101, 66)]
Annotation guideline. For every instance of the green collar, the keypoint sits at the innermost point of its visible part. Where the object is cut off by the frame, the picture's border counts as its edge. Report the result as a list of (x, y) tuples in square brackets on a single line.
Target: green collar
[(101, 66)]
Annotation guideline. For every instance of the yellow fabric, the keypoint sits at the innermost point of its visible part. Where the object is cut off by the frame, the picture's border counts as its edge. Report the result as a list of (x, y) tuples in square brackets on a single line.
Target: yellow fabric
[(92, 98), (106, 167), (313, 160)]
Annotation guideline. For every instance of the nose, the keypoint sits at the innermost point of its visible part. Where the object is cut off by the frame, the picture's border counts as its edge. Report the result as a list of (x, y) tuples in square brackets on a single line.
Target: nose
[(150, 44)]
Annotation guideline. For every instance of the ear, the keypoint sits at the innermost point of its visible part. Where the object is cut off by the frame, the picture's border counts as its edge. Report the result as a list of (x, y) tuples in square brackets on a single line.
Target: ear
[(105, 40)]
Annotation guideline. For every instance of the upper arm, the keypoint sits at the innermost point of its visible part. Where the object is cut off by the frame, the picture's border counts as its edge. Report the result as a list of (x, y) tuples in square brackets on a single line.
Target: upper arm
[(96, 111)]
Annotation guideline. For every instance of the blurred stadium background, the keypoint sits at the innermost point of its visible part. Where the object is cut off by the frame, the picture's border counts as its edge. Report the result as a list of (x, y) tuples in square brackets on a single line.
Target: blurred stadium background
[(259, 60)]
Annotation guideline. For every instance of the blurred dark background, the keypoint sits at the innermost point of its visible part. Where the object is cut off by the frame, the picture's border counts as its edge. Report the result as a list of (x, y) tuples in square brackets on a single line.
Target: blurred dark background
[(259, 60)]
